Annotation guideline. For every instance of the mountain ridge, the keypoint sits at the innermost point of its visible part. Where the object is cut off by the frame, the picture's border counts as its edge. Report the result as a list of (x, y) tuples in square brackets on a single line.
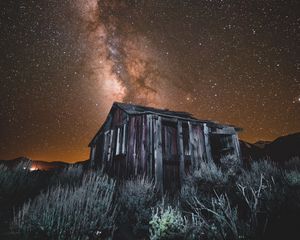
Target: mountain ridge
[(280, 150)]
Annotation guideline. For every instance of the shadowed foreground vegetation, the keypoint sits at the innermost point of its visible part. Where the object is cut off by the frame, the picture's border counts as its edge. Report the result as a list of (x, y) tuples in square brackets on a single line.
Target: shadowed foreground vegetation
[(261, 201)]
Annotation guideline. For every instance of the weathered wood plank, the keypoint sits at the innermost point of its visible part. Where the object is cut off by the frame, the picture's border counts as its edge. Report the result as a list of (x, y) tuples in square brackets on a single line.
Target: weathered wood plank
[(118, 141), (207, 143), (158, 153), (105, 147), (135, 163), (151, 158), (197, 146), (180, 150), (109, 147), (191, 145), (143, 158), (132, 161), (124, 138), (112, 144), (236, 145), (201, 144), (92, 154)]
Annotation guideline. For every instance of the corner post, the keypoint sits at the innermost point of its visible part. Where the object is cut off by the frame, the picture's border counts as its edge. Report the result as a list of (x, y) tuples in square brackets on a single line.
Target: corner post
[(207, 143), (236, 145), (92, 155)]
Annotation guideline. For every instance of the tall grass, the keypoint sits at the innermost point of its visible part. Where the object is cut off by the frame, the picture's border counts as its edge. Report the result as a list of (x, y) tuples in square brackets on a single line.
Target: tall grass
[(136, 197), (18, 184), (68, 212), (71, 175)]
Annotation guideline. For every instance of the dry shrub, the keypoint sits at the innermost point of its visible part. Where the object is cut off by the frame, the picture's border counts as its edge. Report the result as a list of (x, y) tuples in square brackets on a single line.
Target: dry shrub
[(219, 219), (168, 222), (293, 178), (210, 172), (136, 197), (293, 164), (67, 212)]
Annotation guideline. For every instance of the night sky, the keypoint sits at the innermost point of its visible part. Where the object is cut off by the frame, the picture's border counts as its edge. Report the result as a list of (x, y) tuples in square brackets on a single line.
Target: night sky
[(63, 63)]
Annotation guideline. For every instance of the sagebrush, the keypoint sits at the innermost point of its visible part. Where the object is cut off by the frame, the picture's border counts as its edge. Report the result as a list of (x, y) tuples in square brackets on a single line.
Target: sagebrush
[(65, 212)]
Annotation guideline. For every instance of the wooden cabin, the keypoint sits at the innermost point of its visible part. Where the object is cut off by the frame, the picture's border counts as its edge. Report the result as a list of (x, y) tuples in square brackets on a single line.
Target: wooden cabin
[(164, 145)]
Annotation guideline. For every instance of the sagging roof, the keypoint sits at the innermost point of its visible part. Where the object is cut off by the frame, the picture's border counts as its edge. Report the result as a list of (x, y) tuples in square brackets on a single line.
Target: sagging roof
[(138, 109), (133, 109)]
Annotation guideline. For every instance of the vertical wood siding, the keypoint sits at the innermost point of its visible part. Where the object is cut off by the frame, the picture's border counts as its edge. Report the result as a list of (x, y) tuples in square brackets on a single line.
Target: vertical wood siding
[(143, 145)]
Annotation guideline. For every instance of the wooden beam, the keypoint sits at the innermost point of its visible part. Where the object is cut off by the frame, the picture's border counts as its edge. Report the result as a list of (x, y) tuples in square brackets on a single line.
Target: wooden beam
[(92, 155), (236, 145), (143, 156), (201, 144), (124, 138), (150, 144), (197, 146), (181, 153), (110, 145), (158, 153), (191, 146), (207, 143), (118, 142)]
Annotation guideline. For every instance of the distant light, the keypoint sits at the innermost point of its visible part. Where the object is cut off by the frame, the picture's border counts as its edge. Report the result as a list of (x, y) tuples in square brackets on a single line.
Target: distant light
[(33, 169)]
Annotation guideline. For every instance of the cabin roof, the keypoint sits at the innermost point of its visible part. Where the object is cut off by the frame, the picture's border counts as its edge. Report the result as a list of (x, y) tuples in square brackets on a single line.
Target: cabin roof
[(133, 109), (138, 109)]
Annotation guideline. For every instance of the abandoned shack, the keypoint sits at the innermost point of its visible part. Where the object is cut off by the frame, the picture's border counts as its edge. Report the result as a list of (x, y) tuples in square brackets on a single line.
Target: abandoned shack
[(164, 145)]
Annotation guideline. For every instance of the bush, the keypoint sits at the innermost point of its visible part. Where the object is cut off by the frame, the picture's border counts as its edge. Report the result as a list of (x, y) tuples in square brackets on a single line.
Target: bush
[(230, 163), (265, 167), (210, 172), (69, 212), (219, 218), (293, 164), (167, 223), (262, 195), (136, 198), (244, 205), (293, 177), (18, 184), (251, 177), (207, 180)]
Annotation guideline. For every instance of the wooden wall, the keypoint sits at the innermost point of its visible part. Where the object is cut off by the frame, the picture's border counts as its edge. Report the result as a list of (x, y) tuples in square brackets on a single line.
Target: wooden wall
[(131, 145)]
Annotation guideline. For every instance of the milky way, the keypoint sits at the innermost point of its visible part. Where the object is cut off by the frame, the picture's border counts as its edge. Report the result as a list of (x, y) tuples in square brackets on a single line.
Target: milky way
[(121, 60), (63, 63)]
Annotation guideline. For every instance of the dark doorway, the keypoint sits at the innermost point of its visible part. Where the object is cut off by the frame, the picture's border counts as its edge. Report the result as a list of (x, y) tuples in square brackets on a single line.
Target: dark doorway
[(221, 145), (119, 166), (171, 178)]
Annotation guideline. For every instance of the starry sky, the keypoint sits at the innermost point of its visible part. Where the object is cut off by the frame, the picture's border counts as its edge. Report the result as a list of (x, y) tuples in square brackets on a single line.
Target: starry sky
[(64, 62)]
